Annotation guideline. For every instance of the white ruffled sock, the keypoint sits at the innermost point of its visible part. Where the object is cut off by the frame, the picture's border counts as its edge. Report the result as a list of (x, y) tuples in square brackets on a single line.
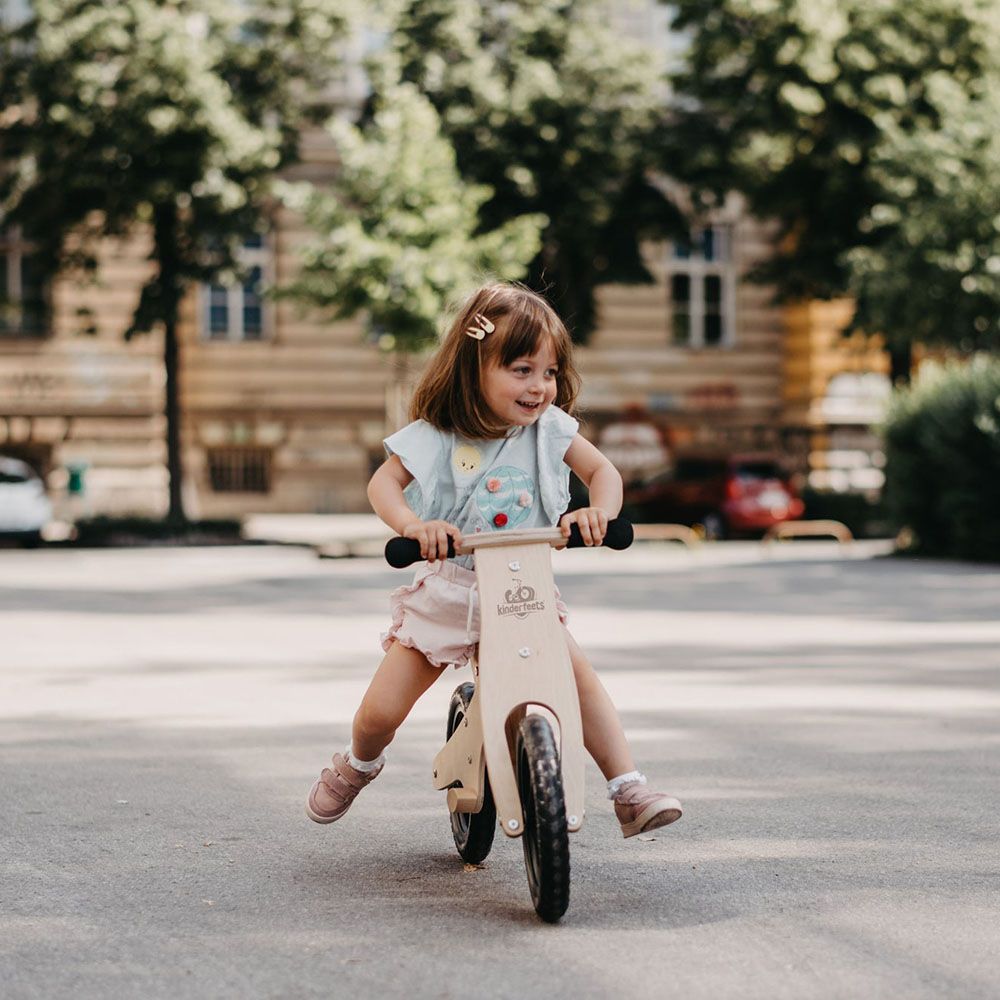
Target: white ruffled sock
[(364, 766), (615, 784)]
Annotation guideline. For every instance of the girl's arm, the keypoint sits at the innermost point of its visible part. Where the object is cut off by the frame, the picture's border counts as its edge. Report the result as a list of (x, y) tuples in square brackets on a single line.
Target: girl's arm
[(603, 481), (385, 493)]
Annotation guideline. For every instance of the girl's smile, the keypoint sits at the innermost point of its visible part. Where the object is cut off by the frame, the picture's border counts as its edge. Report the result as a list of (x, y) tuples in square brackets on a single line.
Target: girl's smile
[(520, 392)]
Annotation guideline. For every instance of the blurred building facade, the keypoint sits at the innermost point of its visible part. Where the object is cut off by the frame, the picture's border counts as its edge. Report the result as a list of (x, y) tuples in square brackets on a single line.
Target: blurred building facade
[(284, 411)]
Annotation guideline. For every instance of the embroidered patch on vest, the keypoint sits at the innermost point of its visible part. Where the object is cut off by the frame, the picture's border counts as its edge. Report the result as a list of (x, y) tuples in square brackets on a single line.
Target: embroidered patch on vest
[(466, 459), (505, 497)]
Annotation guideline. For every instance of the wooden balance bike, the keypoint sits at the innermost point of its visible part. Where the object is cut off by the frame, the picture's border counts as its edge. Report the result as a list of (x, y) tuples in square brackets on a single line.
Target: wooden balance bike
[(503, 759)]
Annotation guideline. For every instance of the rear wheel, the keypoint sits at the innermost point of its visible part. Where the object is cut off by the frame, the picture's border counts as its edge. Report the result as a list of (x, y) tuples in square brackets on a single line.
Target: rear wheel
[(546, 837), (473, 832)]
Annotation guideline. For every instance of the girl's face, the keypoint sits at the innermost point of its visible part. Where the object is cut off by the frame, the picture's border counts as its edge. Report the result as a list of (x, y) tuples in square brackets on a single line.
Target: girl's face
[(520, 392)]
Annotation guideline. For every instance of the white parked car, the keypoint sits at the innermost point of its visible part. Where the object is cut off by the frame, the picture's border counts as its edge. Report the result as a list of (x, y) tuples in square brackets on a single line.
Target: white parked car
[(24, 507)]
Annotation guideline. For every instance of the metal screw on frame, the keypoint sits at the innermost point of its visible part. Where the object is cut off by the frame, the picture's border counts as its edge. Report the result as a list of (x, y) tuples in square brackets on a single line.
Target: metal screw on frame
[(524, 652), (513, 565), (512, 824)]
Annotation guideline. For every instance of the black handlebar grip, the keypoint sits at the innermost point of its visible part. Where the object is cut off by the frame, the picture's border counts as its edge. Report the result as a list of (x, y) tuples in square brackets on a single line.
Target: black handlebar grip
[(403, 552), (618, 536)]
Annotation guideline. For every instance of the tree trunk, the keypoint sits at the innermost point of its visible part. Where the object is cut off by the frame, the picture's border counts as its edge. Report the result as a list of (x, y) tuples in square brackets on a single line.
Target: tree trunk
[(176, 512), (165, 224), (398, 393), (900, 363)]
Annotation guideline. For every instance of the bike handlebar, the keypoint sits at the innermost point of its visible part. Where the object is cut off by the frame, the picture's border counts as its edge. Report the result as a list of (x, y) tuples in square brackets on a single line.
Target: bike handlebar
[(402, 552)]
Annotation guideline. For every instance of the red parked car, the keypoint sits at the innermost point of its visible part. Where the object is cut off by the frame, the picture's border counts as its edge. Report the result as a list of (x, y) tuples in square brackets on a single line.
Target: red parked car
[(726, 495)]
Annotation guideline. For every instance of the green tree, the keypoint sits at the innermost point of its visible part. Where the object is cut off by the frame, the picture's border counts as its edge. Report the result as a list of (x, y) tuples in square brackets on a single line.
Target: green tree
[(397, 237), (813, 109), (930, 272), (171, 114), (556, 111)]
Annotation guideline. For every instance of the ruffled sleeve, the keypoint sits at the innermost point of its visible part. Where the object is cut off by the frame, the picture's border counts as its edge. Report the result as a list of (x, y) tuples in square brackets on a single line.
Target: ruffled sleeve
[(556, 430), (420, 448)]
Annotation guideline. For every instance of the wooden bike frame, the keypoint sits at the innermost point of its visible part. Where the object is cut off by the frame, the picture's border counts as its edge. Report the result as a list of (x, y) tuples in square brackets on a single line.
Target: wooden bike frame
[(523, 660)]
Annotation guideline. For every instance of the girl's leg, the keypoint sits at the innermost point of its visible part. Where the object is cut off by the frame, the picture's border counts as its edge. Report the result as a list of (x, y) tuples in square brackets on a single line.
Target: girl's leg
[(603, 735), (638, 808), (402, 677)]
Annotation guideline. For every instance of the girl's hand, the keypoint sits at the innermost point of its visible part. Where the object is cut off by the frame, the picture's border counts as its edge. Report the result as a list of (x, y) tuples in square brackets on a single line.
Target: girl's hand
[(593, 522), (433, 538)]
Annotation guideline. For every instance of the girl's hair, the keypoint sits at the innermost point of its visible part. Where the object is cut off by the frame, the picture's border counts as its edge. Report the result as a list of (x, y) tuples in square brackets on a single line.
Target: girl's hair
[(449, 395)]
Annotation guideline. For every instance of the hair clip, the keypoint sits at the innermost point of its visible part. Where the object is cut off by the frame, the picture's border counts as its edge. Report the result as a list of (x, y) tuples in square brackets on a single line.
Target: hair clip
[(485, 327)]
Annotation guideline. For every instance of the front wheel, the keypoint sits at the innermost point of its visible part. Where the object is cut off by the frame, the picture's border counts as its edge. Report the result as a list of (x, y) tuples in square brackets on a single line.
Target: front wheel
[(546, 836), (473, 832)]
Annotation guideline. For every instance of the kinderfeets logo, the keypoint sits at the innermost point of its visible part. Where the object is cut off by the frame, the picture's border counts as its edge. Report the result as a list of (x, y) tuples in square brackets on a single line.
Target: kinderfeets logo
[(520, 601)]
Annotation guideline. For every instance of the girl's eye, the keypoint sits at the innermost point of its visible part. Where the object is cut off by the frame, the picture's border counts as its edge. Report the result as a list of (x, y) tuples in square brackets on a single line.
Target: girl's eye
[(522, 370)]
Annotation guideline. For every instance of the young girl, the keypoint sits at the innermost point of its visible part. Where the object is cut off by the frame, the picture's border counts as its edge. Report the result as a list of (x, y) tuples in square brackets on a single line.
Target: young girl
[(490, 449)]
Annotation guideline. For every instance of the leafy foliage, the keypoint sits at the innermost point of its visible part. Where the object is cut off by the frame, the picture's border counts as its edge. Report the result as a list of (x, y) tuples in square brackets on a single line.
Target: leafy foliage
[(943, 459), (397, 232), (547, 104), (172, 113), (931, 270), (863, 128)]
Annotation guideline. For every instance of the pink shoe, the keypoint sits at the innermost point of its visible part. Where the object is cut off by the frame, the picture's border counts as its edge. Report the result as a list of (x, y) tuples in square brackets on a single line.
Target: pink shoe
[(639, 809), (336, 789)]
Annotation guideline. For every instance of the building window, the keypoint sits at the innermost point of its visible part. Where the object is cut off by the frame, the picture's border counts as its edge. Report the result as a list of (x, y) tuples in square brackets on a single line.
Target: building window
[(237, 311), (23, 300), (239, 470), (702, 283)]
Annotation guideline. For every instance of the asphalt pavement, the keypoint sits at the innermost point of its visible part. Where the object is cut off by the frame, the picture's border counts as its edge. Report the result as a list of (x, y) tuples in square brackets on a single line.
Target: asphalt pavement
[(828, 716)]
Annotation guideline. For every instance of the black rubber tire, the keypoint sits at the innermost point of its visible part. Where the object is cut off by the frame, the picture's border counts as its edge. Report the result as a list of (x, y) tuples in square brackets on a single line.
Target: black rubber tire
[(546, 836), (473, 832)]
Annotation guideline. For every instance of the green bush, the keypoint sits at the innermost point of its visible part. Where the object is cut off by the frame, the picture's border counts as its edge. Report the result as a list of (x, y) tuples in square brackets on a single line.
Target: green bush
[(865, 517), (943, 460)]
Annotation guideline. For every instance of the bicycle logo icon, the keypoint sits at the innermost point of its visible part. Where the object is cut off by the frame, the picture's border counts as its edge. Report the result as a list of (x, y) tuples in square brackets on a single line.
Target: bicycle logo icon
[(522, 594)]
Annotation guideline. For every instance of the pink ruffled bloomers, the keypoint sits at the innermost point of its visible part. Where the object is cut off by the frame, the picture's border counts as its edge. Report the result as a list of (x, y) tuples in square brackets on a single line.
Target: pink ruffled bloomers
[(430, 614)]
